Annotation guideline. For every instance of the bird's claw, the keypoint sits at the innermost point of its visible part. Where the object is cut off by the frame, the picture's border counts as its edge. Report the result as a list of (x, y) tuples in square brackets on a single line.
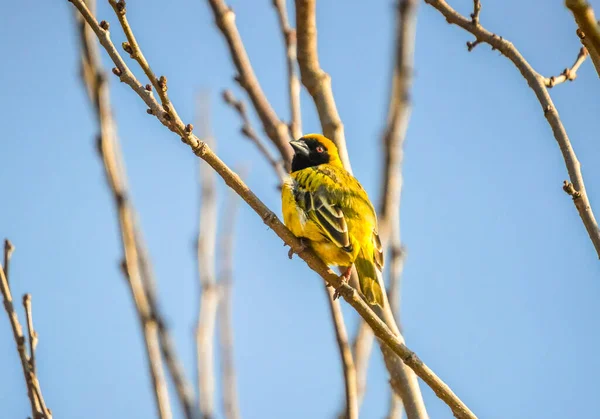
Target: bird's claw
[(303, 246), (344, 278)]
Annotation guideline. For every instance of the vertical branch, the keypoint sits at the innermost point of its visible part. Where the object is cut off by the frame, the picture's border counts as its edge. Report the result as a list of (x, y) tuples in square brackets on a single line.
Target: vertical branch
[(317, 81), (228, 381), (589, 30), (209, 298), (289, 37), (8, 251), (39, 410), (94, 79)]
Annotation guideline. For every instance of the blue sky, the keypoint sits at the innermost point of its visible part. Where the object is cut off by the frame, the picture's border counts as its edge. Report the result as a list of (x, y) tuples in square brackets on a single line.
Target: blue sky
[(499, 295)]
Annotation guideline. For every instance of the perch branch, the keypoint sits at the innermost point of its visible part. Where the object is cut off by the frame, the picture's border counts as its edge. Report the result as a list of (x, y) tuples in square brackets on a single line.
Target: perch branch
[(39, 410), (228, 382), (317, 81), (231, 179), (248, 131), (568, 73), (536, 82), (289, 37), (275, 129)]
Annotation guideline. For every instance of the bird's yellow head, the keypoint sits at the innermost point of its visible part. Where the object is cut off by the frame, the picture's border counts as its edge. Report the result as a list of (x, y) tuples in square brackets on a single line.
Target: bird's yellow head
[(313, 150)]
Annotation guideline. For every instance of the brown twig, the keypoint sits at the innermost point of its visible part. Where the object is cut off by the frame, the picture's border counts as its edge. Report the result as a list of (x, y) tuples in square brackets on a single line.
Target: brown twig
[(248, 131), (586, 20), (95, 81), (209, 296), (568, 73), (536, 82), (594, 55), (231, 179), (275, 129), (476, 12), (317, 81), (228, 381), (289, 37), (39, 410), (8, 251)]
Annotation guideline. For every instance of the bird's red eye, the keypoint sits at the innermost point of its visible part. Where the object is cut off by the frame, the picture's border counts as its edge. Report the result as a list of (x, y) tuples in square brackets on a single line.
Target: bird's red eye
[(320, 149)]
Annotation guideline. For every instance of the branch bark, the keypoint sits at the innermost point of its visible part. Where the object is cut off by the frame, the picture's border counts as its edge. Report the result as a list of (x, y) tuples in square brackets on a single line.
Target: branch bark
[(575, 187), (202, 150), (317, 81), (568, 74), (275, 129), (586, 20)]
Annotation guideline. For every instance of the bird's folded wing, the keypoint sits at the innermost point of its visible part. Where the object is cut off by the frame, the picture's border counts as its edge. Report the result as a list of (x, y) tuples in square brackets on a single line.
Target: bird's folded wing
[(328, 216)]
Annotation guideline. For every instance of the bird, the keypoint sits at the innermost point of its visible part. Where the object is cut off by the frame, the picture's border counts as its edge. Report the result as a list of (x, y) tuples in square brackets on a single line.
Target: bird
[(330, 211)]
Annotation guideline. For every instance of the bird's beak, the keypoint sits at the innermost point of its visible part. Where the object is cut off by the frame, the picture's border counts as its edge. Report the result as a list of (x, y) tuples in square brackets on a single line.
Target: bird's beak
[(300, 147)]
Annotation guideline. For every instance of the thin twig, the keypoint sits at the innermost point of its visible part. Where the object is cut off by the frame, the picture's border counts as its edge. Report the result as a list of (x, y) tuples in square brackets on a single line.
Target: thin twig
[(536, 82), (289, 37), (586, 20), (209, 296), (317, 81), (568, 73), (94, 79), (231, 179), (275, 129), (594, 55), (228, 381), (8, 251), (476, 12), (39, 410), (351, 405), (248, 131)]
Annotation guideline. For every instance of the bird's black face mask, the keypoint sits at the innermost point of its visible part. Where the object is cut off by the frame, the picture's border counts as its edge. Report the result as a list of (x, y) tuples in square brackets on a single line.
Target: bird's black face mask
[(308, 152)]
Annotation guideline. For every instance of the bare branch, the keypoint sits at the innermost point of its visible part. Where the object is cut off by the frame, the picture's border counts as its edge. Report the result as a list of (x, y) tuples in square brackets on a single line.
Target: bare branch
[(586, 20), (275, 129), (248, 131), (317, 81), (476, 12), (351, 407), (289, 37), (228, 382), (39, 410), (8, 251), (536, 82), (568, 73), (232, 180), (94, 79)]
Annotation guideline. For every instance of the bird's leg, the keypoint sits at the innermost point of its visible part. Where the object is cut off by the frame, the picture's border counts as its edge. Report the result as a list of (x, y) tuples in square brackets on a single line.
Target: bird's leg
[(345, 277), (303, 246)]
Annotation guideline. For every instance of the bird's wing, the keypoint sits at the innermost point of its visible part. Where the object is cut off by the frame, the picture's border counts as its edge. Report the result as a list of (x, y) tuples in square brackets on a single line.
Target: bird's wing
[(321, 207), (377, 251)]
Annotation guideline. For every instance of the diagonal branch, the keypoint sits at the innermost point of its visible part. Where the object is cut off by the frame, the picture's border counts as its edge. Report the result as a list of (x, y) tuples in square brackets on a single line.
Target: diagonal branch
[(568, 73), (586, 20), (289, 37), (317, 81), (248, 131), (536, 82), (275, 129), (594, 55), (231, 179)]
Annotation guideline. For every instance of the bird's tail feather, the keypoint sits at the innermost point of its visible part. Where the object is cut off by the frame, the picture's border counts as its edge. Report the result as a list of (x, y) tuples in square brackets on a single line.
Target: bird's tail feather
[(368, 279)]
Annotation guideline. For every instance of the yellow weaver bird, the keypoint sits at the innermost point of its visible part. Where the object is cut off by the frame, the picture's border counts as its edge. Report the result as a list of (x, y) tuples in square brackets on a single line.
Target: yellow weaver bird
[(325, 205)]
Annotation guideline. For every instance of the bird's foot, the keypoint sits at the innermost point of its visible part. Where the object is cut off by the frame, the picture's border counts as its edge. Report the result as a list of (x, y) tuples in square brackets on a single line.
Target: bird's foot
[(345, 277), (303, 246)]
